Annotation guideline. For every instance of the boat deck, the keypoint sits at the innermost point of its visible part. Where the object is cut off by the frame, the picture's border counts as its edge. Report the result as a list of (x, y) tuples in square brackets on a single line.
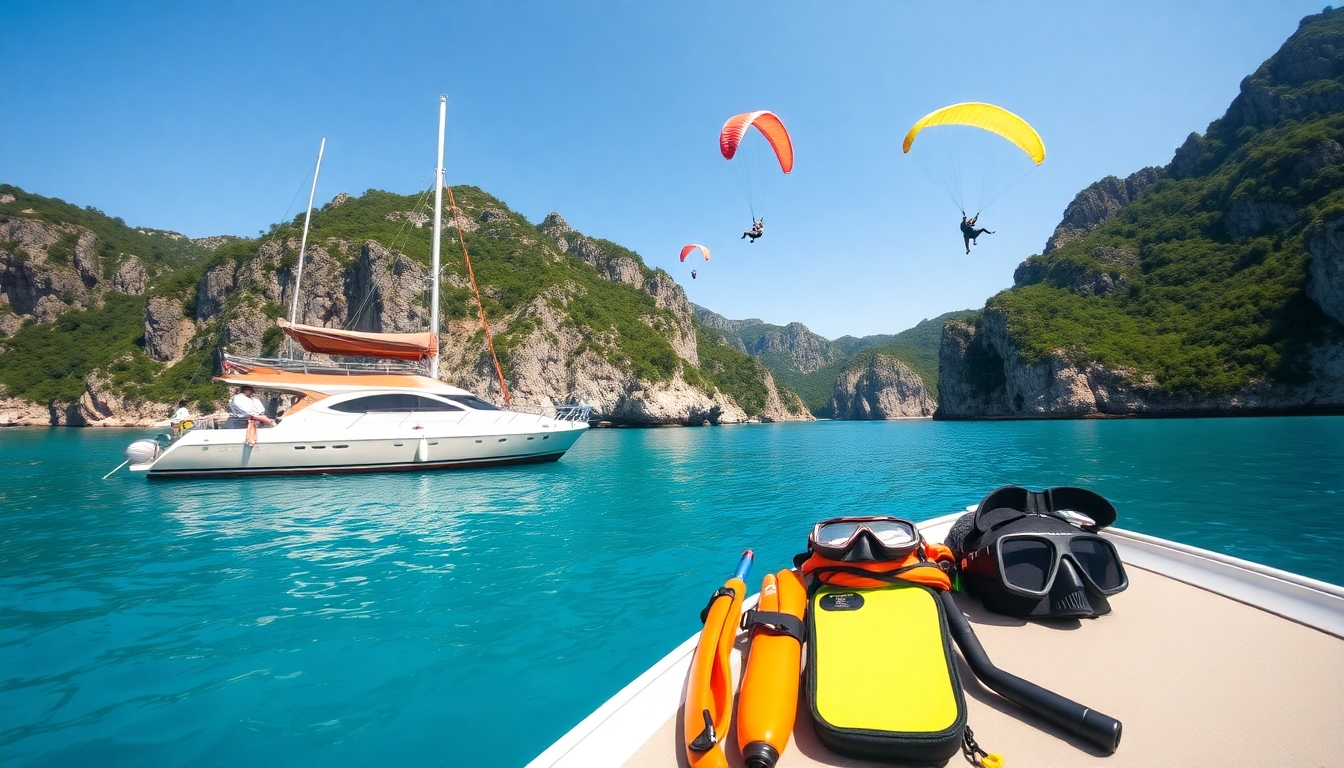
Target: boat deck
[(1196, 678), (1198, 675)]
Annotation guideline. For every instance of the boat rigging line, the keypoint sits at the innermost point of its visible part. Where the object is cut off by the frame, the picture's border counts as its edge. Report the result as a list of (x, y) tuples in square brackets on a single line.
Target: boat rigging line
[(303, 243), (479, 306)]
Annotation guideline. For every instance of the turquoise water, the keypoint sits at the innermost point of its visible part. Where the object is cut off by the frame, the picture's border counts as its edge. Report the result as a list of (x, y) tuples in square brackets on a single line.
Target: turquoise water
[(471, 618)]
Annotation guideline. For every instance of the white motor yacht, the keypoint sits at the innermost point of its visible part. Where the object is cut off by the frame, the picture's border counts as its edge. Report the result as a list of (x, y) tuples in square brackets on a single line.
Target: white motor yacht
[(351, 420), (383, 410)]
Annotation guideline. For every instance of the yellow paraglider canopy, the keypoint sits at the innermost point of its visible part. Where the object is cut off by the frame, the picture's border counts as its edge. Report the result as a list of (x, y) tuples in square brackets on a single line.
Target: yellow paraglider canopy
[(988, 117)]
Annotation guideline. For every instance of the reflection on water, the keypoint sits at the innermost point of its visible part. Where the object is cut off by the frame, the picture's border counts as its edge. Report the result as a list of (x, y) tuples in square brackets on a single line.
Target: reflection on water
[(472, 617)]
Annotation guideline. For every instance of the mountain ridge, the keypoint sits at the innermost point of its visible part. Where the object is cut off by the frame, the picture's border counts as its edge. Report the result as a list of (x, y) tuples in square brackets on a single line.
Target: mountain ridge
[(87, 340)]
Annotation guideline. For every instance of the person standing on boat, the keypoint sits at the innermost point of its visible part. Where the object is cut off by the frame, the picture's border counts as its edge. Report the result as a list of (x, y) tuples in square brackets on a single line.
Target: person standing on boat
[(246, 405), (181, 418)]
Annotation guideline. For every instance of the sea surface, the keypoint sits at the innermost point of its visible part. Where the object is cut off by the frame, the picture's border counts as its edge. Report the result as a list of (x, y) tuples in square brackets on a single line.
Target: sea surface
[(470, 618)]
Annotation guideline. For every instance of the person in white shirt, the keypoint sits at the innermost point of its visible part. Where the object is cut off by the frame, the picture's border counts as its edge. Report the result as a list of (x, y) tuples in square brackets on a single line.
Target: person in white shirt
[(246, 405), (180, 415)]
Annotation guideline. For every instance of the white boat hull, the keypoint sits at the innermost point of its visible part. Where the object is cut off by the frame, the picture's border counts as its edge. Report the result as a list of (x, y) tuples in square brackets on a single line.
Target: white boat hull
[(516, 439)]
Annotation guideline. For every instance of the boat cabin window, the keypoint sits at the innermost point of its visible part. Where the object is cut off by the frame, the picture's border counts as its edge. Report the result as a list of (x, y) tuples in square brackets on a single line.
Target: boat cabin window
[(394, 403), (473, 402)]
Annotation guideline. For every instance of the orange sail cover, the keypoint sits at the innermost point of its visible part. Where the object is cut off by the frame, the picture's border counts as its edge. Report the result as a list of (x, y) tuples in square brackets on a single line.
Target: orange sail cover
[(334, 341)]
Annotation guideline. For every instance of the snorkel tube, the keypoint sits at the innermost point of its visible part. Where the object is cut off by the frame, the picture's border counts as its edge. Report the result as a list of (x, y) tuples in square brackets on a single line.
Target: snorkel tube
[(709, 685), (1102, 730)]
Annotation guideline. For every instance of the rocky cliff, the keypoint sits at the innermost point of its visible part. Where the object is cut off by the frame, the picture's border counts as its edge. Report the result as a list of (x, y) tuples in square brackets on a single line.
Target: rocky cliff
[(574, 317), (1213, 285), (877, 386)]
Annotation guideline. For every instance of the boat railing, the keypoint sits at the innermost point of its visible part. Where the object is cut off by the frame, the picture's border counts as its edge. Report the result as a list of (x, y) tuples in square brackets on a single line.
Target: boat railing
[(333, 368), (559, 412)]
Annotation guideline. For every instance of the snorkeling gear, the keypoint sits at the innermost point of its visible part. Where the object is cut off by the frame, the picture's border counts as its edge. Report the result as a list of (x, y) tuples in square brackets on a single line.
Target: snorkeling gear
[(769, 698), (1102, 730), (863, 538), (709, 685), (1038, 555), (873, 552)]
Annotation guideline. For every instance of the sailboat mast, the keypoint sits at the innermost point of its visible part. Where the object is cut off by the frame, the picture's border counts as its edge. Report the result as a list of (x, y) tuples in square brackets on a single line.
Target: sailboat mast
[(438, 227), (303, 244)]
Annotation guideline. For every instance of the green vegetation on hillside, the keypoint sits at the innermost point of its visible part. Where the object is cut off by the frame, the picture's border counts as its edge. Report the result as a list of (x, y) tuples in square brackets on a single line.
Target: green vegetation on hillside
[(740, 376), (515, 265), (154, 247), (917, 347), (1204, 312), (48, 362)]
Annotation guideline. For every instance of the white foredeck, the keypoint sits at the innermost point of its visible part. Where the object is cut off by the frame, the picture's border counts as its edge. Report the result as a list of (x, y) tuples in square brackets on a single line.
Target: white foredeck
[(1205, 659)]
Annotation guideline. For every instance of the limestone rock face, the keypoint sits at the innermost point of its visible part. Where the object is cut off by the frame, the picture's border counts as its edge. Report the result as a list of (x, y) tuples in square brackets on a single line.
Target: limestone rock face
[(1081, 280), (340, 197), (48, 309), (807, 350), (213, 243), (1325, 285), (322, 296), (167, 329), (672, 297), (551, 364), (10, 323), (16, 412), (86, 259), (981, 375), (720, 323), (30, 282), (1099, 202), (1247, 216), (623, 270), (390, 287), (130, 277), (214, 289), (101, 406), (1185, 163), (878, 386), (244, 328)]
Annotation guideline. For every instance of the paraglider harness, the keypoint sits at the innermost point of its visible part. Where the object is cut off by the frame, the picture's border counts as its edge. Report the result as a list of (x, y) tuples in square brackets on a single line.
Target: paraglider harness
[(757, 229)]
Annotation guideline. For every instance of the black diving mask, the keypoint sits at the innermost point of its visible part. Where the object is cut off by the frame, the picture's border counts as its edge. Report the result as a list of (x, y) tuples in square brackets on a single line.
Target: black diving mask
[(1038, 555)]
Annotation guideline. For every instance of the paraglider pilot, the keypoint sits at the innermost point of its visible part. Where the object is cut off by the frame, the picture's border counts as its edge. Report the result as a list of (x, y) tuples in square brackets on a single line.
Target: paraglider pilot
[(968, 231), (692, 274), (757, 229)]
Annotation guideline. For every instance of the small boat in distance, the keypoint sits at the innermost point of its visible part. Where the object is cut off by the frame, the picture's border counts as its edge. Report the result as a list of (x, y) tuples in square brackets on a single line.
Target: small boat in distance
[(383, 410)]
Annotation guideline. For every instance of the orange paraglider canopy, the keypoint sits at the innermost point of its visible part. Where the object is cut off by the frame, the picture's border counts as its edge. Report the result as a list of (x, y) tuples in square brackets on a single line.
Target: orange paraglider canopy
[(334, 341), (768, 124), (687, 251)]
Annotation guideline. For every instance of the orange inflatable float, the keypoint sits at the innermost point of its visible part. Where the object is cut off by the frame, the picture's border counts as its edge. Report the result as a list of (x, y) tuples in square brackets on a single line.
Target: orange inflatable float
[(769, 697), (709, 686)]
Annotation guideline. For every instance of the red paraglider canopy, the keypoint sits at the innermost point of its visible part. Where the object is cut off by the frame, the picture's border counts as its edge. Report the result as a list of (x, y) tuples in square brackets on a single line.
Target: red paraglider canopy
[(687, 251), (768, 124)]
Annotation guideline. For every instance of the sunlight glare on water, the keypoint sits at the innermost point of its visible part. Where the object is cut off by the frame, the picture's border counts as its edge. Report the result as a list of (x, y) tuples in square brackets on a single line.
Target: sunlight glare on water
[(471, 618)]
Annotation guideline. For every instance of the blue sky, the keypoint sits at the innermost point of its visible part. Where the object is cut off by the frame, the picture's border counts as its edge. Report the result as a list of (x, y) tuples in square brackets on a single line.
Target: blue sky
[(205, 118)]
